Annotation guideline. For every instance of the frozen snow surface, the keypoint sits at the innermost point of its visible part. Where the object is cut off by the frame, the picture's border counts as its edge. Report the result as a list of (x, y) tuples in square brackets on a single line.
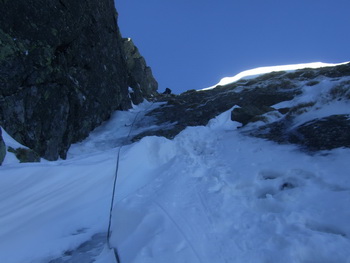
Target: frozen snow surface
[(210, 195)]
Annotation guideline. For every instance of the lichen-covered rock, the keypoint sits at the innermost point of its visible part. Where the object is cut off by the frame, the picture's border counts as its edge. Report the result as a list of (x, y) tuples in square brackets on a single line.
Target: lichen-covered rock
[(62, 71), (140, 77), (2, 148)]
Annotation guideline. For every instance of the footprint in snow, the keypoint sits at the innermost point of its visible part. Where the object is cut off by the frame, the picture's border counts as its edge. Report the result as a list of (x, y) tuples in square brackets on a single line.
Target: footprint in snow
[(269, 174), (271, 182)]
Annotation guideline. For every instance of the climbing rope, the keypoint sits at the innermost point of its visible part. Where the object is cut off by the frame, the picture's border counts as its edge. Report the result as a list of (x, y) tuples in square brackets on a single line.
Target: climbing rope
[(116, 254), (115, 250)]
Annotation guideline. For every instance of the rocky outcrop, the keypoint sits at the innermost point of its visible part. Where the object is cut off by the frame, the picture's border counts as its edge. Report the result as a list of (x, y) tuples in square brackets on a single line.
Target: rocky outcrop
[(194, 108), (140, 77), (25, 155), (257, 111), (315, 135), (323, 134), (63, 70)]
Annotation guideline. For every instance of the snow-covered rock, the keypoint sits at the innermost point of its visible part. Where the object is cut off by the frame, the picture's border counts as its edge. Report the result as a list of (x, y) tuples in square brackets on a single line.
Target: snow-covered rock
[(282, 106)]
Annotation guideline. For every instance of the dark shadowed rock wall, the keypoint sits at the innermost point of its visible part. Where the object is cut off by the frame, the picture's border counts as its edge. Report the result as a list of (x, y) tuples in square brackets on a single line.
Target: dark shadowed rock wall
[(63, 70), (140, 78)]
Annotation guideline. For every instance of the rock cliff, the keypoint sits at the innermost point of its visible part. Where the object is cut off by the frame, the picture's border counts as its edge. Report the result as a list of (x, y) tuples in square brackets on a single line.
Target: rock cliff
[(140, 78), (64, 68)]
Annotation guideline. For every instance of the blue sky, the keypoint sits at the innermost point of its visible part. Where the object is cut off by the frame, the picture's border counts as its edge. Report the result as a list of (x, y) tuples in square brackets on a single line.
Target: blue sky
[(193, 44)]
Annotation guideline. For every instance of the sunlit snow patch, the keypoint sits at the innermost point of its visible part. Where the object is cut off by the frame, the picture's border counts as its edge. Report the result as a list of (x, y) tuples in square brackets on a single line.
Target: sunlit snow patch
[(251, 73)]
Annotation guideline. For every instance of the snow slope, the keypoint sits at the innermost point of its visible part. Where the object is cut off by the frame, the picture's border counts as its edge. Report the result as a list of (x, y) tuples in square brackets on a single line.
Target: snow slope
[(48, 208), (210, 195), (213, 195)]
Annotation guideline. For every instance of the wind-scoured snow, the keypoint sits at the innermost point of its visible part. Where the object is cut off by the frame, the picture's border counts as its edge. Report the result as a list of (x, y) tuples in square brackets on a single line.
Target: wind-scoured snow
[(252, 73), (209, 195)]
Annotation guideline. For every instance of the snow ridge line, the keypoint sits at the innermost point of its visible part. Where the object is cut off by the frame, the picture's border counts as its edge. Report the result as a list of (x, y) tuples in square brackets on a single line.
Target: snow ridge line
[(115, 250)]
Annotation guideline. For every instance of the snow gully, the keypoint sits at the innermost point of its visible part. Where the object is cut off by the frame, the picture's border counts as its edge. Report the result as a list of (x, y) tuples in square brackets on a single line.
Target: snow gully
[(114, 249)]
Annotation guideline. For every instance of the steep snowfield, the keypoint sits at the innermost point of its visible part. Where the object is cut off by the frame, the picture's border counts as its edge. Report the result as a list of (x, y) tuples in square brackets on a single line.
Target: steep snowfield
[(210, 195), (47, 208)]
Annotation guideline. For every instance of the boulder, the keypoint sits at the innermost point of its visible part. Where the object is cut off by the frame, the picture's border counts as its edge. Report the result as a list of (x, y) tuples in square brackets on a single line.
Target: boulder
[(25, 155), (249, 113)]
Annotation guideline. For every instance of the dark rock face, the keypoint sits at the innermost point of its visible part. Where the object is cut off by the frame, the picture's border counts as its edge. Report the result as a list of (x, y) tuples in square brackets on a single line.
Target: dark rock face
[(2, 148), (140, 77), (319, 134), (63, 71), (324, 134)]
